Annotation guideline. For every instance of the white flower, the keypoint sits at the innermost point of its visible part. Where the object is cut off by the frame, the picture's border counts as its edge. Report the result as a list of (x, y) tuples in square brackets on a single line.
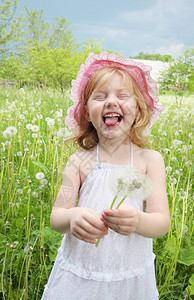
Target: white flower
[(51, 122), (35, 194), (130, 182), (29, 126), (20, 191), (19, 153), (26, 149), (173, 158), (39, 175), (44, 181), (63, 132), (9, 131), (168, 169), (35, 128), (47, 119), (34, 135), (39, 116)]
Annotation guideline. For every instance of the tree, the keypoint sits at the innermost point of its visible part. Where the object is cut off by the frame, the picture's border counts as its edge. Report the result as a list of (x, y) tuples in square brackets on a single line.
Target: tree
[(157, 56), (179, 77), (8, 25)]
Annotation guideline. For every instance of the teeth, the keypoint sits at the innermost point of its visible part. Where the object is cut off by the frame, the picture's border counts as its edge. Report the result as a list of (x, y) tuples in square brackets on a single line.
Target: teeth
[(112, 115)]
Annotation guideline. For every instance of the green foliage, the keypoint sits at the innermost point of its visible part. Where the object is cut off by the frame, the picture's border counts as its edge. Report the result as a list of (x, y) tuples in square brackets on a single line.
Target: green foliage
[(8, 25), (156, 56), (179, 77), (45, 53)]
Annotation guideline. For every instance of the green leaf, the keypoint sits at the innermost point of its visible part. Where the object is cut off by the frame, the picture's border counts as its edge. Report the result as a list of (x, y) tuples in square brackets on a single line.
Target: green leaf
[(171, 244), (19, 222), (41, 166), (186, 256)]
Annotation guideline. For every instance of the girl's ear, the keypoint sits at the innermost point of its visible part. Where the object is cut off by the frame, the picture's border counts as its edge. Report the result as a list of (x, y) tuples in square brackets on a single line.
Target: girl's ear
[(86, 114)]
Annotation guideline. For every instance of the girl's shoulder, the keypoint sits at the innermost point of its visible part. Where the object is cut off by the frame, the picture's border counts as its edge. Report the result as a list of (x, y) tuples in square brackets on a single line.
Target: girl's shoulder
[(148, 158), (84, 161)]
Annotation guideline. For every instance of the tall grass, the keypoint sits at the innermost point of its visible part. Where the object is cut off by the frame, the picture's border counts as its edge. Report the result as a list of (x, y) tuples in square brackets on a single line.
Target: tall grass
[(28, 245)]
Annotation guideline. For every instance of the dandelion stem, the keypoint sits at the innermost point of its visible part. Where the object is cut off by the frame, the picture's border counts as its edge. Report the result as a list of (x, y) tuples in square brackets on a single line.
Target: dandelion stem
[(121, 202), (113, 202)]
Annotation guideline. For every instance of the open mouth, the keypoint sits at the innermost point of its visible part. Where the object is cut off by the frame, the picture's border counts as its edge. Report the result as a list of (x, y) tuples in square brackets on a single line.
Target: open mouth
[(111, 119)]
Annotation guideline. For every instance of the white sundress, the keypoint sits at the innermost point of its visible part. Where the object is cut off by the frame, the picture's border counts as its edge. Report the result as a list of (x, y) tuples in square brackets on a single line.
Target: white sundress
[(120, 268)]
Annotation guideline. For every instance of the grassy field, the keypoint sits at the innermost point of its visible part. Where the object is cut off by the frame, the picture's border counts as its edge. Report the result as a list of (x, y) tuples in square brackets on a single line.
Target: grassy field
[(33, 157)]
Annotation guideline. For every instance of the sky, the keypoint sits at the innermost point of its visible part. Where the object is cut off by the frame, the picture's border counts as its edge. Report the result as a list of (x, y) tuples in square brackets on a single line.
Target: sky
[(125, 26)]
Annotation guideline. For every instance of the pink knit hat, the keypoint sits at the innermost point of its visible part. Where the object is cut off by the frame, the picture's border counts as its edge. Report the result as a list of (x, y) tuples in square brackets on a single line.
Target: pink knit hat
[(139, 72)]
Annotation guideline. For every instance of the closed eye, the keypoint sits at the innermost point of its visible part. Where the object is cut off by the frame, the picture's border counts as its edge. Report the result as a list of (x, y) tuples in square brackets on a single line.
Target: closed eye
[(123, 96), (100, 97)]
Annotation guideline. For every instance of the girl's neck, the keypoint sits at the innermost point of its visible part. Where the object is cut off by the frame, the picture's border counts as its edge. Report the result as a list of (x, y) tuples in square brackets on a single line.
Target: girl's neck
[(114, 152)]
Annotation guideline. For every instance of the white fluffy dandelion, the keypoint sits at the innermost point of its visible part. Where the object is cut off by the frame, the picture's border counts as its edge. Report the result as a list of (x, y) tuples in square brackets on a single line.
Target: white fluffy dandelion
[(51, 122), (39, 175), (29, 126), (9, 131), (35, 128), (63, 132), (44, 181), (126, 182), (19, 153)]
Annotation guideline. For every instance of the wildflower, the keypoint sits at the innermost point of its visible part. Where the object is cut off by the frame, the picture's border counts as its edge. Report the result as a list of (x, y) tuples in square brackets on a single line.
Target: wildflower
[(41, 187), (34, 135), (39, 175), (58, 114), (10, 131), (51, 122), (44, 181), (35, 194), (63, 132), (35, 128), (168, 169), (39, 116), (47, 119), (174, 181), (190, 135), (29, 126), (20, 191), (26, 149), (173, 158)]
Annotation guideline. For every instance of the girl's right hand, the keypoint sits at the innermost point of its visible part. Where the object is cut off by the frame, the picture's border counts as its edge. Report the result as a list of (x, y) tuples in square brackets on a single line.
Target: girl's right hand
[(86, 225)]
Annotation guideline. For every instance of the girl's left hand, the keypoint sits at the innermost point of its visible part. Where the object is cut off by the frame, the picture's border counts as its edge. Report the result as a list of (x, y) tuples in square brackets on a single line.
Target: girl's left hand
[(124, 220)]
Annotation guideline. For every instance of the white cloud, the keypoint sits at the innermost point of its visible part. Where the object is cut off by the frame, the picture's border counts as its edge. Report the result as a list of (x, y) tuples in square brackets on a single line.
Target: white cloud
[(174, 50)]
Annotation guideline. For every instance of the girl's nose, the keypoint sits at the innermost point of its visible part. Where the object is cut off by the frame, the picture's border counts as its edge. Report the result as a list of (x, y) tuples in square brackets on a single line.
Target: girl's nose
[(111, 101)]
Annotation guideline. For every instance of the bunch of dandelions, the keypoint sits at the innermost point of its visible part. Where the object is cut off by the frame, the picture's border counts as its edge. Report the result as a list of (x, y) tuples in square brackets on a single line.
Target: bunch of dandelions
[(128, 182)]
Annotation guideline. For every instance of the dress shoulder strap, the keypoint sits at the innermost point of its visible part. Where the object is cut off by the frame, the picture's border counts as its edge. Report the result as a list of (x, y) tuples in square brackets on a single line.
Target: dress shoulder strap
[(131, 154), (97, 154)]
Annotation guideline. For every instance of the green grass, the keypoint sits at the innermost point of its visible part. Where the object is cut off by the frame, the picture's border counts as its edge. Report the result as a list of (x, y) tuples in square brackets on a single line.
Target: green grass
[(28, 244)]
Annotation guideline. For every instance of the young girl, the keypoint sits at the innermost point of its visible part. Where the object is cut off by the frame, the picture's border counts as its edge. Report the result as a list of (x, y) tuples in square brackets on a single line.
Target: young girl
[(115, 104)]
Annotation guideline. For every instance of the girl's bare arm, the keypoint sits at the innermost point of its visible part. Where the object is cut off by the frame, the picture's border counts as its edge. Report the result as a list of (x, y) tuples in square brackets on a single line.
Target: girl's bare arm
[(82, 222)]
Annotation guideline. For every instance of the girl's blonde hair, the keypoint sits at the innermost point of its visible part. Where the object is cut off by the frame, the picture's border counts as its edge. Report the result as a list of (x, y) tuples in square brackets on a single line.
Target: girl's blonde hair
[(87, 136)]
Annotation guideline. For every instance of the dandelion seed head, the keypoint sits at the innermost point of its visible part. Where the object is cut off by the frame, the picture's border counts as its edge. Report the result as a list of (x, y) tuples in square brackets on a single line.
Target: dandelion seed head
[(20, 191), (39, 116), (169, 169), (10, 131), (39, 175), (29, 126), (44, 181), (35, 128), (35, 194), (34, 135)]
